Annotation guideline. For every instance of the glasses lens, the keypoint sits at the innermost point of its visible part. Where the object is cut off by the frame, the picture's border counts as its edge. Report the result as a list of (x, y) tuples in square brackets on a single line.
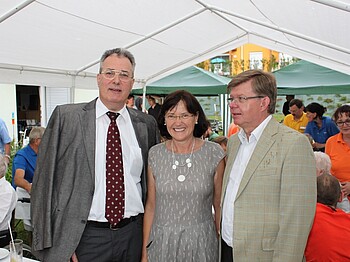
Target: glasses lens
[(346, 122), (109, 74), (123, 76)]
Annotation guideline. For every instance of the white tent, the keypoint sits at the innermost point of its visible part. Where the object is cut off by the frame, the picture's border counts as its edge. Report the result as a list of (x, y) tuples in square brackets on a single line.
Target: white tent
[(58, 43)]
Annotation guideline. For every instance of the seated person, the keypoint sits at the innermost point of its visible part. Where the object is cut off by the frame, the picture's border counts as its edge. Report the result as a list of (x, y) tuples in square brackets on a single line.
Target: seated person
[(297, 119), (323, 163), (25, 160), (320, 127), (331, 228), (23, 167), (222, 141), (210, 134), (8, 200)]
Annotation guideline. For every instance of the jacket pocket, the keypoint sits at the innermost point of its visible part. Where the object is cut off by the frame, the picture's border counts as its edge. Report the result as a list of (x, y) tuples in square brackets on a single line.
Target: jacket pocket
[(268, 244)]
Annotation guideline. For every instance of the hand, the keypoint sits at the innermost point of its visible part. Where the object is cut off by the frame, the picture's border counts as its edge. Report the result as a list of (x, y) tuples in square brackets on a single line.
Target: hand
[(29, 188), (7, 159), (317, 145), (74, 258), (345, 188)]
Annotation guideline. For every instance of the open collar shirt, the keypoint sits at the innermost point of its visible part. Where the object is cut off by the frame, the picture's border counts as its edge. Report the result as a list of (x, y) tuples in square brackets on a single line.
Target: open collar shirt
[(243, 156)]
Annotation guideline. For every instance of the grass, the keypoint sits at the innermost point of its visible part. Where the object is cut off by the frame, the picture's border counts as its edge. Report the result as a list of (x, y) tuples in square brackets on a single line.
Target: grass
[(21, 232), (278, 117), (25, 235)]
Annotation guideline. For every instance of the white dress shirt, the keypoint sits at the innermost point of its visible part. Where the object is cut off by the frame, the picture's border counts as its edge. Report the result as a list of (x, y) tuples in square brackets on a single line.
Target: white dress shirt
[(243, 156), (132, 163), (8, 201)]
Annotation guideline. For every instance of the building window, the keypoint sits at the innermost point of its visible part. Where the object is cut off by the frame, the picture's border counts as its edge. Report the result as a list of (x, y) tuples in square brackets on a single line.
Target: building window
[(255, 59)]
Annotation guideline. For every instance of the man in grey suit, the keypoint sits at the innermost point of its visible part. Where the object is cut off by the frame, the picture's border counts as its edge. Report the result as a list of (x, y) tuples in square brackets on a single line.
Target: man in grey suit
[(269, 186), (69, 187)]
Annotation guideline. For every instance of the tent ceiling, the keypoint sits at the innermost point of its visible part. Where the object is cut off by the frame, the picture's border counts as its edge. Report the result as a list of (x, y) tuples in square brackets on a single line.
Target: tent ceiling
[(47, 42)]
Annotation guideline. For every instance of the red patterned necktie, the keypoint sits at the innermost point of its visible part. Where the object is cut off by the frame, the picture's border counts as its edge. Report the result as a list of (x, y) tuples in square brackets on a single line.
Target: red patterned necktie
[(115, 195)]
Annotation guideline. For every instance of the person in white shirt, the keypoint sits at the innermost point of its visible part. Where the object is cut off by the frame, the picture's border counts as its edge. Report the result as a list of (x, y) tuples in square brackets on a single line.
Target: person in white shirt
[(8, 200), (269, 185)]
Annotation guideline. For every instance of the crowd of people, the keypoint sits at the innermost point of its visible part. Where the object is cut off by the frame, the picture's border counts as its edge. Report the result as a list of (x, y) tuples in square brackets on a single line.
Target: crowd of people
[(111, 181)]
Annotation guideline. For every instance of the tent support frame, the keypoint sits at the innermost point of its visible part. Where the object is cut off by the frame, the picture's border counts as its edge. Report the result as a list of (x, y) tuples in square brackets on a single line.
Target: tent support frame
[(15, 10)]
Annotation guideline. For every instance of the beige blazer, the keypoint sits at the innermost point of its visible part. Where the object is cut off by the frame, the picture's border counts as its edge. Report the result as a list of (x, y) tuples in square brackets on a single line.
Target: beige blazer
[(275, 203)]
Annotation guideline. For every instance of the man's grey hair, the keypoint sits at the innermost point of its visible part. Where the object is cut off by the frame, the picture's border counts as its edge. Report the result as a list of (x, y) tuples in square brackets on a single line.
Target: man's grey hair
[(120, 52), (323, 163), (3, 166), (35, 133)]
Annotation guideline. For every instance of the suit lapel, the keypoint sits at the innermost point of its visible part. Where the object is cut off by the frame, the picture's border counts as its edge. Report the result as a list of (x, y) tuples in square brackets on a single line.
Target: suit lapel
[(140, 128), (88, 124), (262, 148)]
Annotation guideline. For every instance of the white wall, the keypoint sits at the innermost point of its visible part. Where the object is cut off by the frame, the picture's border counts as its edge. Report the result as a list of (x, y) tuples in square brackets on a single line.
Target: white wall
[(85, 95), (8, 107)]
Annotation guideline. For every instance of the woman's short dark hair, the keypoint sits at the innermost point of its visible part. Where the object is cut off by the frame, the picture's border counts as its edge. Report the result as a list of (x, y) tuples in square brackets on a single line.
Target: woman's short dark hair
[(192, 106), (344, 109), (316, 108)]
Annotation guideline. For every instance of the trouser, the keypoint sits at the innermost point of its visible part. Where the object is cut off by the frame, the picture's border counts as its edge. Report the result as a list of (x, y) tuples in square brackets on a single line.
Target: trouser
[(226, 252), (103, 244)]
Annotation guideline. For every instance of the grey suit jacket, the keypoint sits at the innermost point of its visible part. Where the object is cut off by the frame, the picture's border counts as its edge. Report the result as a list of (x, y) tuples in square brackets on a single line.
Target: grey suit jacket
[(63, 184), (275, 203)]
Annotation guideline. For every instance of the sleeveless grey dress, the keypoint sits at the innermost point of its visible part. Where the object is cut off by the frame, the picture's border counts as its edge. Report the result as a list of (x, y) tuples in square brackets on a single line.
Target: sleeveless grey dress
[(183, 227)]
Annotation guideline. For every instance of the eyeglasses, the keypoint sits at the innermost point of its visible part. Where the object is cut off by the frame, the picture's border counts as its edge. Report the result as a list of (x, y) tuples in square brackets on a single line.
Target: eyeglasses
[(180, 117), (341, 123), (111, 74), (241, 99)]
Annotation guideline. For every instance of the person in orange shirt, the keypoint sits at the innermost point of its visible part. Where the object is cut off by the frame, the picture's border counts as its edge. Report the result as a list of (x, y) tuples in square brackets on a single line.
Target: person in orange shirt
[(331, 228), (232, 129), (338, 149)]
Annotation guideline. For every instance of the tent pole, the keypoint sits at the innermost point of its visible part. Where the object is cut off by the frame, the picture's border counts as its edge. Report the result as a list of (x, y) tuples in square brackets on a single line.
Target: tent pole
[(144, 96), (15, 10), (72, 90), (335, 4), (149, 36)]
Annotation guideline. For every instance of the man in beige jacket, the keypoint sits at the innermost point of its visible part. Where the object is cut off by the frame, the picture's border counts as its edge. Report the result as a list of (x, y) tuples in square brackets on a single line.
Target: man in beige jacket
[(269, 187)]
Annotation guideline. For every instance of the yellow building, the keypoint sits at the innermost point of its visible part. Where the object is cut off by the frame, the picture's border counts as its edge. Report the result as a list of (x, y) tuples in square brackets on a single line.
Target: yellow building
[(248, 56)]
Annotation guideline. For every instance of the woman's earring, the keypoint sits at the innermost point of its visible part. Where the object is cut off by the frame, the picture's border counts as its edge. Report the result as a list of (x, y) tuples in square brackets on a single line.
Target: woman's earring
[(164, 123), (196, 122)]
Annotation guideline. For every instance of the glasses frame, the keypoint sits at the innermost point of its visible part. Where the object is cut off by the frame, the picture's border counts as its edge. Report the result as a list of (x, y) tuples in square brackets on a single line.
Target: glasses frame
[(181, 117), (241, 99), (122, 75), (341, 123)]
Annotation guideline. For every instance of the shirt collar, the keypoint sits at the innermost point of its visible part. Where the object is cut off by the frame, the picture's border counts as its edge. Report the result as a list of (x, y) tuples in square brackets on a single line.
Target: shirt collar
[(340, 138), (257, 132), (101, 109), (2, 180)]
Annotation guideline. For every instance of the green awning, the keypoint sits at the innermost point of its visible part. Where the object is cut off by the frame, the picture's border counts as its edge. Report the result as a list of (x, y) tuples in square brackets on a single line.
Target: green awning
[(195, 80), (305, 78)]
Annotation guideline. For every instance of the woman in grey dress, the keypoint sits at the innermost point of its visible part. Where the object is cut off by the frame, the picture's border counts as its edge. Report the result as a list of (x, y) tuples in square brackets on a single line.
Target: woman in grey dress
[(184, 183)]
